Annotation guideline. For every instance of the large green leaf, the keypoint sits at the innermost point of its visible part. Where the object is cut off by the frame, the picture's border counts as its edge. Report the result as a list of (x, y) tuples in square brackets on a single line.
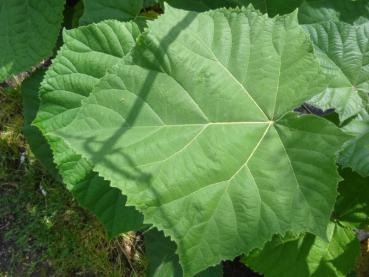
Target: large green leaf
[(307, 255), (163, 260), (35, 139), (352, 206), (344, 54), (99, 10), (87, 53), (355, 153), (28, 32), (199, 135)]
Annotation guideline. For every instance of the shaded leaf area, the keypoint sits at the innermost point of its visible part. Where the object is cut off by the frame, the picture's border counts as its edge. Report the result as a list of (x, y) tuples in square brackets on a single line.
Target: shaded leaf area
[(153, 129), (163, 261), (352, 206), (310, 11), (29, 30), (237, 268), (308, 255), (348, 11), (99, 10), (355, 153), (33, 135), (87, 53)]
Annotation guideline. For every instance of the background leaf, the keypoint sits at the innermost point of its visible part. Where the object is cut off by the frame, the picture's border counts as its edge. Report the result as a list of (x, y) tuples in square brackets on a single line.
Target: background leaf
[(99, 10), (307, 255), (355, 153), (28, 33), (349, 11), (163, 260), (352, 206)]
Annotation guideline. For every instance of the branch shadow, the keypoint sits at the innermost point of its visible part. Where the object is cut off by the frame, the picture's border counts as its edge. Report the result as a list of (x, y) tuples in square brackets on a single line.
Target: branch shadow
[(108, 147)]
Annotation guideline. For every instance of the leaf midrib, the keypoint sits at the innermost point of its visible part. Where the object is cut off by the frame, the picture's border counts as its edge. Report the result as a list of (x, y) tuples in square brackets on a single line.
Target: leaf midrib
[(211, 184)]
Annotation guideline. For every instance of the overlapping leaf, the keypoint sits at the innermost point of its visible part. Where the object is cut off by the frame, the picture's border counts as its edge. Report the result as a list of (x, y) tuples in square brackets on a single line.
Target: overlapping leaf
[(344, 54), (88, 52), (28, 32), (307, 255), (355, 153), (163, 260), (198, 134), (352, 207)]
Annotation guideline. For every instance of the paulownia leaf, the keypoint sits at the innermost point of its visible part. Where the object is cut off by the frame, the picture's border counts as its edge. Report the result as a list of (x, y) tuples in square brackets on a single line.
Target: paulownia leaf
[(344, 54), (198, 133), (163, 260), (352, 206), (355, 153), (28, 32), (99, 10), (35, 139), (308, 255), (87, 53)]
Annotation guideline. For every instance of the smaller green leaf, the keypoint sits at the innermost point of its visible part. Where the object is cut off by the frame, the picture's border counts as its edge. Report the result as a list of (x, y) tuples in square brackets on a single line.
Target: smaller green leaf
[(307, 255), (352, 206), (355, 153), (163, 261), (343, 51)]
